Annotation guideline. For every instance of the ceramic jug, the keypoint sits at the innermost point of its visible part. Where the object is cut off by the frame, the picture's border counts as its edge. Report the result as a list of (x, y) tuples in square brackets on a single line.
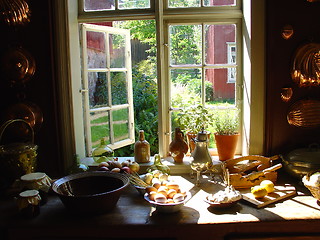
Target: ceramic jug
[(178, 147)]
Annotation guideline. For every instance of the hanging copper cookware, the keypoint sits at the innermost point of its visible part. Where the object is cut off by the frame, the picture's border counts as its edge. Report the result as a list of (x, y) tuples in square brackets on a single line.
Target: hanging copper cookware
[(27, 111), (304, 113), (18, 65), (306, 65), (15, 12)]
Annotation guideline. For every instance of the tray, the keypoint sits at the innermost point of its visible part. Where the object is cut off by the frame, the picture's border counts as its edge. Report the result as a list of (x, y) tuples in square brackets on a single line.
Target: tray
[(281, 192)]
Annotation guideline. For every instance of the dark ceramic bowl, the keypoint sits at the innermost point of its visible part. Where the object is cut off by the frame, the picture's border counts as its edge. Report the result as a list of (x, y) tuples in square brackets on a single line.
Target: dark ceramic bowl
[(93, 192)]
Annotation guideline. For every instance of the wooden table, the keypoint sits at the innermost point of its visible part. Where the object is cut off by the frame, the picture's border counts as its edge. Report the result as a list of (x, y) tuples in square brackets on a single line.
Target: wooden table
[(134, 218)]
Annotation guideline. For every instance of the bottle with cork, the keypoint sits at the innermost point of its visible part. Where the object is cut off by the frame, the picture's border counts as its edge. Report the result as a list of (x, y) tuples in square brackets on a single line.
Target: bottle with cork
[(142, 149)]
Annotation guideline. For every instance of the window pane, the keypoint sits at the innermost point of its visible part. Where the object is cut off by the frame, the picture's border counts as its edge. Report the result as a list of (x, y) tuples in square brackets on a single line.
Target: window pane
[(98, 89), (99, 122), (119, 88), (218, 89), (232, 75), (132, 4), (219, 2), (183, 3), (185, 87), (117, 51), (185, 44), (197, 3), (96, 50), (217, 44), (120, 124), (98, 5)]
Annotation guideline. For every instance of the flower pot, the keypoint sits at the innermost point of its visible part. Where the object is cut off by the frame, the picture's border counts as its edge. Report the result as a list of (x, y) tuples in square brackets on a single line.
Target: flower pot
[(226, 145)]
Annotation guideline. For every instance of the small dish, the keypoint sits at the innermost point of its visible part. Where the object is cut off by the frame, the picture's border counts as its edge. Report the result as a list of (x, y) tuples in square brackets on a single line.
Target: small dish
[(220, 205), (168, 207)]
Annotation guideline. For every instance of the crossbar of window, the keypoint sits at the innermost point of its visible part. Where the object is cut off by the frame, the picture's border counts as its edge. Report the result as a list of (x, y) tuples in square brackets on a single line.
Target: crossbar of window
[(107, 70), (207, 66), (107, 108)]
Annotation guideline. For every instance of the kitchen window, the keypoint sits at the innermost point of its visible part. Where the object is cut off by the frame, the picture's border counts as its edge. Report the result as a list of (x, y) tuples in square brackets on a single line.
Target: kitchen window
[(167, 15)]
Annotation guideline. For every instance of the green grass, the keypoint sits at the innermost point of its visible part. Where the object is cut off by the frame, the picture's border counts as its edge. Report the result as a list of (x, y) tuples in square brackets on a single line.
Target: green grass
[(102, 130)]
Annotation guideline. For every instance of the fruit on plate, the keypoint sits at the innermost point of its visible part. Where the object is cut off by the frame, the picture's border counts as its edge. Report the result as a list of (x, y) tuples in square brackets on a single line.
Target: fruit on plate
[(259, 191), (114, 165), (155, 176)]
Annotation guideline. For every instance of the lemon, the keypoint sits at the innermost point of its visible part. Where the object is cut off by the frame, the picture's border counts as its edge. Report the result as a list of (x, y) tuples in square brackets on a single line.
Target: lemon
[(268, 185), (259, 191)]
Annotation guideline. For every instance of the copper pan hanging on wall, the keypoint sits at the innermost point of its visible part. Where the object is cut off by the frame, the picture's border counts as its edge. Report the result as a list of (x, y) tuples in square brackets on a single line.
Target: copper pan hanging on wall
[(26, 110), (304, 113), (18, 65), (15, 12), (306, 65)]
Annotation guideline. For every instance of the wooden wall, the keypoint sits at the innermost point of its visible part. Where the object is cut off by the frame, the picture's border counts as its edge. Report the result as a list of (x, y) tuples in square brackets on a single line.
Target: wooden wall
[(303, 16), (36, 38)]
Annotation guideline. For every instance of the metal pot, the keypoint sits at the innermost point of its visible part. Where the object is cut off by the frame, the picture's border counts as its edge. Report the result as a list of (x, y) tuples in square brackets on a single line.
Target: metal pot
[(18, 65), (300, 162), (16, 158), (26, 110)]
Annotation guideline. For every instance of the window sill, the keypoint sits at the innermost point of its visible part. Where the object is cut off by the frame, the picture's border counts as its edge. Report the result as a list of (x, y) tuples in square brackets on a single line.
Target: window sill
[(175, 168)]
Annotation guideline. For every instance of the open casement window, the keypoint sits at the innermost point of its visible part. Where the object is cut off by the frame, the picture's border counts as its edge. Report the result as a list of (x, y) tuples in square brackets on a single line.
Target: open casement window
[(107, 86)]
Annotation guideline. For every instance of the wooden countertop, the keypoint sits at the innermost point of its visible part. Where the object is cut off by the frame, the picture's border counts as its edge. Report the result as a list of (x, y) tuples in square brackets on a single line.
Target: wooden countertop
[(134, 217)]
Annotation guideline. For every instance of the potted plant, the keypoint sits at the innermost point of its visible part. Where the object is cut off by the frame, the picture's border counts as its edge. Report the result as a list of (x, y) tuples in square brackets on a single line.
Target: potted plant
[(194, 119), (226, 133)]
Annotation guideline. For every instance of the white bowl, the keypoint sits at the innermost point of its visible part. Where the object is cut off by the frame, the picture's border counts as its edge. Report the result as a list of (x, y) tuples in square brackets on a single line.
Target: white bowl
[(168, 207)]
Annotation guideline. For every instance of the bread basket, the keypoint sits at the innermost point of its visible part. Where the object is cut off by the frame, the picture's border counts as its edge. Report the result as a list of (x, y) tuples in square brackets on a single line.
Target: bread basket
[(313, 188)]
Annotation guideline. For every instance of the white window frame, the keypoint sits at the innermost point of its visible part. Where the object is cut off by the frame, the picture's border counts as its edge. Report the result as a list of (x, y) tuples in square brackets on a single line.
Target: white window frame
[(203, 66), (67, 55), (110, 108), (230, 45)]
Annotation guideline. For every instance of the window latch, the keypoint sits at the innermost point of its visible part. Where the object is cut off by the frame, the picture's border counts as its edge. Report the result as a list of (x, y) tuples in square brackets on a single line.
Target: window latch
[(83, 90)]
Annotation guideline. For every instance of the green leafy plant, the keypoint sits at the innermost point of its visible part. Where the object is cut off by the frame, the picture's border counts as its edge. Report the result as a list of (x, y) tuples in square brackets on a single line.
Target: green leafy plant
[(146, 110), (226, 121), (195, 118)]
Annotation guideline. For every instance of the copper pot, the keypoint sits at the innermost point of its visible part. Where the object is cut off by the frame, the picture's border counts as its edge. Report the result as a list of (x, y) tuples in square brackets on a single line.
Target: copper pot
[(18, 65), (27, 111), (300, 162)]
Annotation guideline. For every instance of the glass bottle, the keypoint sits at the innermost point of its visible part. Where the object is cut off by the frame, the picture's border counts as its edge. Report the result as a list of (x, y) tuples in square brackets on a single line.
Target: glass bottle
[(102, 153), (142, 149)]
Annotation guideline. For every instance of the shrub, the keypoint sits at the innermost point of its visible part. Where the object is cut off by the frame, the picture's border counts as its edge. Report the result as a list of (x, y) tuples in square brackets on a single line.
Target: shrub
[(145, 102)]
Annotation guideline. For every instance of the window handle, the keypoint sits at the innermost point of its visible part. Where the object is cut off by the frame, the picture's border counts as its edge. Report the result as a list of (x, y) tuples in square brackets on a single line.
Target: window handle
[(83, 90)]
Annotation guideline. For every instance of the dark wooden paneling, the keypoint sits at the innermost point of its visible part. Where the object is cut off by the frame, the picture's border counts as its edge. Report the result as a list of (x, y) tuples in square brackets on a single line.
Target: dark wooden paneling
[(36, 38), (303, 16)]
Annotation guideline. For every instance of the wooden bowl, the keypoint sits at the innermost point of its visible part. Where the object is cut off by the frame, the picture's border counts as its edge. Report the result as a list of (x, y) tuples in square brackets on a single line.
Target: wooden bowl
[(93, 192)]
